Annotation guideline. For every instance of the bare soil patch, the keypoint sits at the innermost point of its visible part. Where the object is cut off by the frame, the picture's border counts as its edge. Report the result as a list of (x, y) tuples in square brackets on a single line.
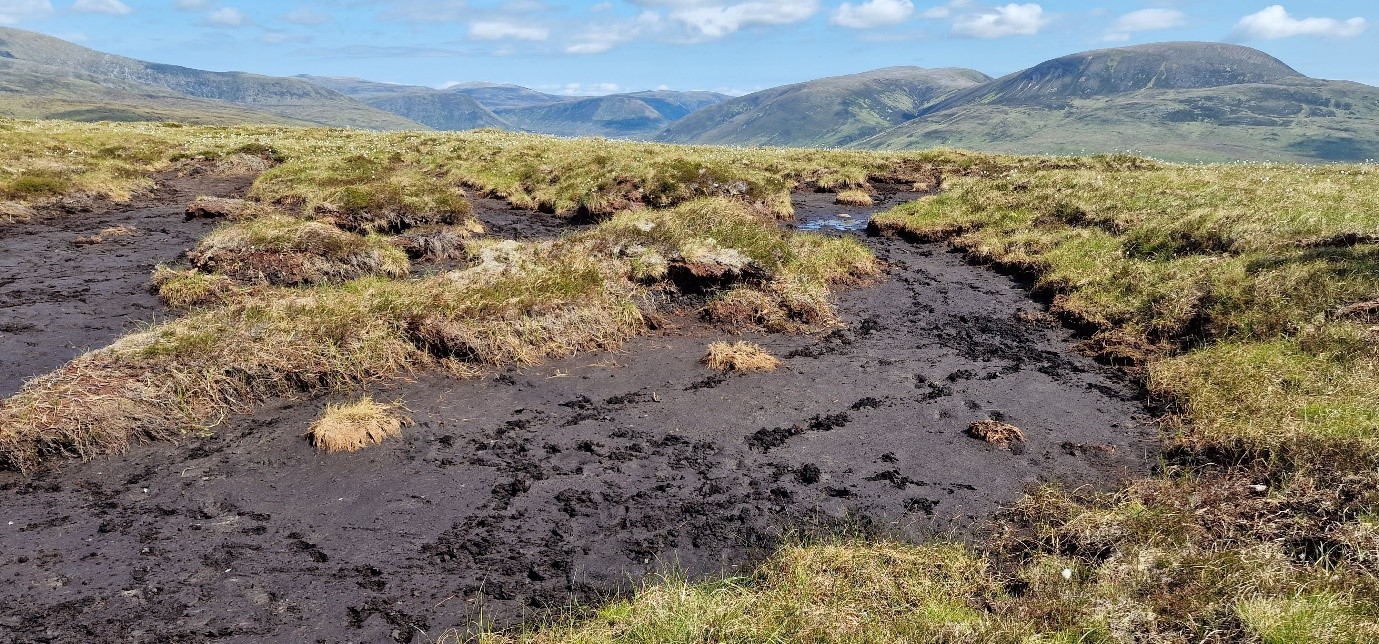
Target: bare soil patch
[(505, 221), (530, 489), (69, 283)]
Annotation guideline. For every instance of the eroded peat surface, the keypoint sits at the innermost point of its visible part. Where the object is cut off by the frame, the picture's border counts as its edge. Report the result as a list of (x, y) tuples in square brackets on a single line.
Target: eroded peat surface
[(520, 493), (78, 277)]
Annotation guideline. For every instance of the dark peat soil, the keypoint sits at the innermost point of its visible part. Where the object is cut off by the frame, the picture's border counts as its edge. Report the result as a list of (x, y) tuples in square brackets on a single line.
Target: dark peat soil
[(61, 295)]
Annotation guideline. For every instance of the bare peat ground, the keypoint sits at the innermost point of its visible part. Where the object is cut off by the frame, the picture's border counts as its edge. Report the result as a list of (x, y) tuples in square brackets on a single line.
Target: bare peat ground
[(530, 489), (61, 295)]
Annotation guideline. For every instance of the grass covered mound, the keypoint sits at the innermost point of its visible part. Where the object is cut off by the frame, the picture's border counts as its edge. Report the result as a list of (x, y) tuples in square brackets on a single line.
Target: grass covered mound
[(279, 249), (1225, 282)]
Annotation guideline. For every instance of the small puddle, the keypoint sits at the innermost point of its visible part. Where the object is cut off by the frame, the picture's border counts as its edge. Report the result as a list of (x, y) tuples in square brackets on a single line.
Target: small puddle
[(818, 212), (843, 223)]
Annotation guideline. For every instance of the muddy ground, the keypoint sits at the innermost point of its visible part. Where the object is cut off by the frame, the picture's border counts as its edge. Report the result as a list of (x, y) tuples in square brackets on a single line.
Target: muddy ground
[(529, 490), (65, 288)]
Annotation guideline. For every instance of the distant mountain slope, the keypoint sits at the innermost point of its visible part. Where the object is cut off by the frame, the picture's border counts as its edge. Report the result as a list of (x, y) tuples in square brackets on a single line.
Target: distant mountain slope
[(83, 77), (629, 116), (500, 96), (1295, 120), (432, 108), (1104, 72), (1180, 101), (822, 113), (34, 91), (677, 105)]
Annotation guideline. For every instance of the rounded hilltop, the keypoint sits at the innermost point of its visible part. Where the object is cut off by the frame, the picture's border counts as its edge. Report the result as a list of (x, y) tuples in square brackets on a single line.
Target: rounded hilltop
[(1170, 65)]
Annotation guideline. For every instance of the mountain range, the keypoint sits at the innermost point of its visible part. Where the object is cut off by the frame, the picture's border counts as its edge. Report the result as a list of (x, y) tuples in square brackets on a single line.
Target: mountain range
[(1178, 101), (638, 115)]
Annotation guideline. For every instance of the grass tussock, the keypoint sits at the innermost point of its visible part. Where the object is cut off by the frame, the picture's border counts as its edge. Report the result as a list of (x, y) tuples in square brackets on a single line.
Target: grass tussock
[(744, 357), (189, 288), (350, 427), (105, 235), (853, 198), (204, 207)]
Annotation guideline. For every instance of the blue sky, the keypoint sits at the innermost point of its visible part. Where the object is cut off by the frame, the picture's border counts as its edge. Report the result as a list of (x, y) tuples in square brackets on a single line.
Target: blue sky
[(600, 46)]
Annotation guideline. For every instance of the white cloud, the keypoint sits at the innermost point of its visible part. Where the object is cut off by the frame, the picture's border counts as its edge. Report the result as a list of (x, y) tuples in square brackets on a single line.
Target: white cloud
[(228, 17), (498, 30), (709, 19), (109, 7), (599, 38), (1275, 22), (872, 13), (307, 17), (1144, 20), (948, 10), (999, 22), (592, 46), (581, 89), (283, 37), (423, 11), (14, 11)]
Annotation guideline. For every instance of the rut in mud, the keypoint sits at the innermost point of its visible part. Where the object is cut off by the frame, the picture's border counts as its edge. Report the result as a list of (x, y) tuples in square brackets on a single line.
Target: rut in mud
[(531, 489)]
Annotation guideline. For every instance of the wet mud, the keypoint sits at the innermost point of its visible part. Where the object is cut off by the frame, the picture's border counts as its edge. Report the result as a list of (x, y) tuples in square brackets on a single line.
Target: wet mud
[(527, 491)]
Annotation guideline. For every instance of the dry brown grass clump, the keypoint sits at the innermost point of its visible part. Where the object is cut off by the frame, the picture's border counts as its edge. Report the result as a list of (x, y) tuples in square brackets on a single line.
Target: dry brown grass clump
[(350, 427), (854, 197), (12, 212), (996, 432), (740, 356), (105, 235), (437, 242), (205, 207)]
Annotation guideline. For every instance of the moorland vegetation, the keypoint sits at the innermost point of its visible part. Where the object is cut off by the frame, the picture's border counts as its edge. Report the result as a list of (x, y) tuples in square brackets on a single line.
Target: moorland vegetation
[(1242, 295)]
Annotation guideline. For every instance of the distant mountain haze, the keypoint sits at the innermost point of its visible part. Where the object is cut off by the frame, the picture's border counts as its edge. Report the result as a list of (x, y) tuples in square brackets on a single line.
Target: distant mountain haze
[(77, 77), (430, 107), (509, 107), (498, 96), (641, 115), (823, 113), (1186, 101)]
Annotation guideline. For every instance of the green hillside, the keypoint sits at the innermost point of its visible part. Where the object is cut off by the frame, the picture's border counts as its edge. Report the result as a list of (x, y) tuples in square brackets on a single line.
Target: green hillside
[(822, 113), (436, 109), (624, 116), (1106, 72), (1177, 101), (39, 67)]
